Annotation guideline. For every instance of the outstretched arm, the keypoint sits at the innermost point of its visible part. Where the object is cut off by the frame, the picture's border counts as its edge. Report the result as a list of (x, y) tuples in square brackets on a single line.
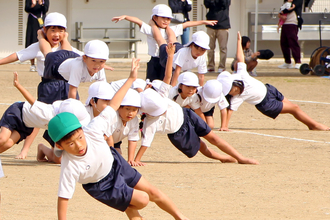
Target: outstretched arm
[(23, 91), (139, 155), (120, 94), (128, 18), (196, 23), (10, 59)]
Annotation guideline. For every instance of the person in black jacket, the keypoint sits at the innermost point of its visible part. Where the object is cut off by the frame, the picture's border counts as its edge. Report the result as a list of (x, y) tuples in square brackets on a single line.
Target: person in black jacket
[(218, 10), (182, 6), (37, 10)]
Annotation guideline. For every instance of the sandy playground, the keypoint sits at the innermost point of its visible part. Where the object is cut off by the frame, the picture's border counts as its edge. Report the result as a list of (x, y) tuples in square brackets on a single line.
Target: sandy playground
[(291, 182)]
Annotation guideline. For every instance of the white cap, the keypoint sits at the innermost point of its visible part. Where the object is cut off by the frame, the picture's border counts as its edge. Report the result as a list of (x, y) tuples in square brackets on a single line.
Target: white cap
[(55, 19), (153, 103), (200, 38), (162, 10), (226, 79), (156, 83), (100, 90), (132, 98), (97, 49), (188, 79), (212, 91), (75, 107), (139, 83)]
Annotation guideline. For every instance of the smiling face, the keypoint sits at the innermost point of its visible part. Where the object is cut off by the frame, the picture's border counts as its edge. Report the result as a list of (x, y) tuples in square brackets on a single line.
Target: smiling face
[(187, 91), (162, 22), (75, 144), (54, 34), (127, 113), (93, 65), (196, 50)]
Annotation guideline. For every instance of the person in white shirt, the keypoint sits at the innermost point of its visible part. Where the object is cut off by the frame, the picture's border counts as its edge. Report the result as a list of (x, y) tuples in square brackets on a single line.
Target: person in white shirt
[(267, 99), (1, 175), (161, 15), (185, 93), (210, 95), (102, 171), (182, 126), (20, 118)]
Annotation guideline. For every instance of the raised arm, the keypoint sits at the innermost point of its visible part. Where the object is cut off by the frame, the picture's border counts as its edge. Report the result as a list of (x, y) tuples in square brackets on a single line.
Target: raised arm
[(120, 94), (196, 23), (128, 18), (239, 50), (170, 49), (23, 91)]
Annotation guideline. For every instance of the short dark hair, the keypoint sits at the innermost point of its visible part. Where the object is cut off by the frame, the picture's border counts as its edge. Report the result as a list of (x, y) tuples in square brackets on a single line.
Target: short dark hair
[(68, 136), (245, 40), (60, 27), (239, 84)]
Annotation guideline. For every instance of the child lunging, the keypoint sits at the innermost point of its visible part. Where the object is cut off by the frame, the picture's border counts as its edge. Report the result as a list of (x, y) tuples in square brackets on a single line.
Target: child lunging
[(267, 99), (183, 127), (103, 172)]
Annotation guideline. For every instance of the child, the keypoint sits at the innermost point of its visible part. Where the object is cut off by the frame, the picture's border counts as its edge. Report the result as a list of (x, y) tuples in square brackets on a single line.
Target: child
[(267, 99), (182, 126), (69, 66), (250, 58), (20, 118), (161, 15), (1, 175), (282, 16), (108, 177), (139, 84), (128, 125), (54, 29), (185, 93), (211, 95)]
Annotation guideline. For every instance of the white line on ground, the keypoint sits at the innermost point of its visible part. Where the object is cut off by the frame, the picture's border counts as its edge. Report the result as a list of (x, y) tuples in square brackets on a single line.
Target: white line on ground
[(325, 103)]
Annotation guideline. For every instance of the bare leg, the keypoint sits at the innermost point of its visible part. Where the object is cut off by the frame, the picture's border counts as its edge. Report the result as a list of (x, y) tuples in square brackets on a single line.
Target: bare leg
[(170, 35), (44, 45), (228, 149), (251, 65), (8, 139), (27, 143), (133, 214), (300, 115), (210, 121), (65, 44), (162, 200), (46, 154), (156, 33), (208, 152)]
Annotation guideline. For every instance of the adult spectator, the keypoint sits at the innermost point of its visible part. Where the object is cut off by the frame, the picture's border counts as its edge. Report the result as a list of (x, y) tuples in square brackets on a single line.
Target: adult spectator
[(37, 10), (218, 10), (183, 7), (289, 36)]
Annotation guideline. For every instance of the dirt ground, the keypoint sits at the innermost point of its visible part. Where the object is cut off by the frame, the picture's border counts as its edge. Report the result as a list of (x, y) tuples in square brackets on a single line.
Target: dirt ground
[(291, 182)]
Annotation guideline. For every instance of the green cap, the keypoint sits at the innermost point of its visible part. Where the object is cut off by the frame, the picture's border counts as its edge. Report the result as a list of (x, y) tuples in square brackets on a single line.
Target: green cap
[(61, 125)]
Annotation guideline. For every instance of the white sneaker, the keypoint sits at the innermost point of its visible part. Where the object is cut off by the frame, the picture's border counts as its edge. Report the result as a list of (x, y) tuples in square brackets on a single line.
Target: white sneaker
[(220, 70), (33, 68), (297, 66), (286, 66)]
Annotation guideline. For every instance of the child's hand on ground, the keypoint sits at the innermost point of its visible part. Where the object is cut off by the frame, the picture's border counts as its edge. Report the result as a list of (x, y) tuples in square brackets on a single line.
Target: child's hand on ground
[(135, 163), (245, 160), (118, 18), (210, 22), (224, 129), (134, 68), (16, 82), (106, 67), (170, 49), (139, 163)]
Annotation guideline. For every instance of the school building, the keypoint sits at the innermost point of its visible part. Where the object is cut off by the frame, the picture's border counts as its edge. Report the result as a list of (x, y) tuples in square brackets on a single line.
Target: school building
[(98, 14)]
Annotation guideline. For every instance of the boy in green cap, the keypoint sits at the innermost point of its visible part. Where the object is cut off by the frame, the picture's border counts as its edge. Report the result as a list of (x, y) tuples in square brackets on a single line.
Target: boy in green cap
[(105, 175)]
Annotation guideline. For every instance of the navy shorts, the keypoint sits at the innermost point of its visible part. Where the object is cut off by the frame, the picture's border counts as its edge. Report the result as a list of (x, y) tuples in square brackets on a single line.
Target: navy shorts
[(154, 69), (116, 189), (53, 60), (117, 145), (13, 120), (186, 139), (272, 104), (210, 112), (163, 54)]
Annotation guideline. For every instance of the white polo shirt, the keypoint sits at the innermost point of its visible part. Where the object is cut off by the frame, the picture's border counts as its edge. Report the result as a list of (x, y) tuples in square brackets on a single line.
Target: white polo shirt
[(33, 52), (75, 71), (153, 48), (184, 59), (206, 106), (254, 90), (96, 163), (193, 101)]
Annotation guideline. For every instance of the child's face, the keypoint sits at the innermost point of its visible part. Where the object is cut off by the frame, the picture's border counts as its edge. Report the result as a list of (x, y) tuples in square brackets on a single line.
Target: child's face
[(197, 51), (127, 113), (187, 91), (75, 145), (162, 22), (93, 65), (54, 35), (99, 106), (248, 44)]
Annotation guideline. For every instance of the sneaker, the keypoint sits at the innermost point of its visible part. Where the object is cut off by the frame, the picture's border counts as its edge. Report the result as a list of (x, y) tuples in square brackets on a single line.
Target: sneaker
[(220, 70), (297, 66), (286, 66), (210, 70), (252, 73), (33, 68)]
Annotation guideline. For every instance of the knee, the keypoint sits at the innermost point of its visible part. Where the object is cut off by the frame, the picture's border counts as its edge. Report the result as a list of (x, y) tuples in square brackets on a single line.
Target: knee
[(144, 200), (154, 194)]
